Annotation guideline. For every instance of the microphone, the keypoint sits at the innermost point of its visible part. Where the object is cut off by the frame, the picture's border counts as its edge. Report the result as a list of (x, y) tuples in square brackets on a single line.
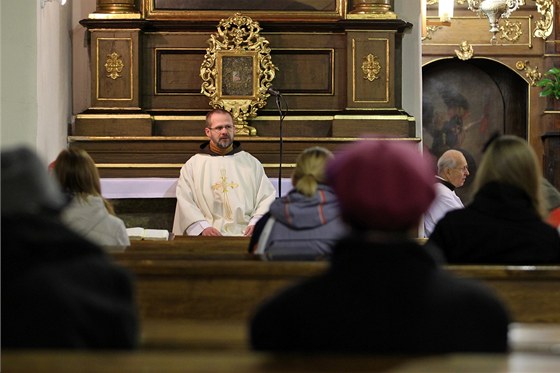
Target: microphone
[(273, 92)]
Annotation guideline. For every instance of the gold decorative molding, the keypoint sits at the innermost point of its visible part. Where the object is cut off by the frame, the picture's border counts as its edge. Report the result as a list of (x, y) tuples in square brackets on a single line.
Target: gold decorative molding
[(532, 74), (371, 67), (543, 27), (511, 31), (114, 65), (115, 9), (238, 70), (371, 9), (465, 51), (430, 30)]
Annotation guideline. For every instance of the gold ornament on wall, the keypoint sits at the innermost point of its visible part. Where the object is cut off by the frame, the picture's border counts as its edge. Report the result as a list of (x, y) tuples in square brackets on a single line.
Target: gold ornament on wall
[(543, 27), (511, 31), (114, 65), (237, 70), (532, 74), (465, 51), (371, 67)]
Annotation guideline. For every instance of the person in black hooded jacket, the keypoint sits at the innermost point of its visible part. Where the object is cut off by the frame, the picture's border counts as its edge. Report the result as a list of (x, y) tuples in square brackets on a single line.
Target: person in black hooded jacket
[(59, 290)]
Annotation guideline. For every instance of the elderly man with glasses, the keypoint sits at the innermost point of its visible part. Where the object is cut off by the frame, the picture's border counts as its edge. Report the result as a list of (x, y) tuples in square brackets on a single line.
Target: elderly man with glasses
[(222, 190), (452, 171)]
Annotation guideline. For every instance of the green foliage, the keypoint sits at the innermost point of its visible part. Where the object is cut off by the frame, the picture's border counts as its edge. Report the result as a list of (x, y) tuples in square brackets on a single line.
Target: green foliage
[(550, 83)]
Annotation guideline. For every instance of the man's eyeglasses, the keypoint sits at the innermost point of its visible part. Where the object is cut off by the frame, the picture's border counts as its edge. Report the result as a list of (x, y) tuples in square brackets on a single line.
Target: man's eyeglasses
[(218, 129), (462, 169)]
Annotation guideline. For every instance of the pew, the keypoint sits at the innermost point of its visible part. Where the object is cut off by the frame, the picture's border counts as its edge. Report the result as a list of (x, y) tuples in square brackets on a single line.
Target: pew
[(251, 362), (219, 335), (222, 346), (205, 287), (184, 244)]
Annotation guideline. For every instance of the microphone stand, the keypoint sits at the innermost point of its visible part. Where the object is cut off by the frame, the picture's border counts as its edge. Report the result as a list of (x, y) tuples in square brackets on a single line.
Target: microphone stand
[(282, 115)]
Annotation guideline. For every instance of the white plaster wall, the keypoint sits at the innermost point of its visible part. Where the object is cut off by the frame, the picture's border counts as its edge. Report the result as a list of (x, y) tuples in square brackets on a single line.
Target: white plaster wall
[(18, 45), (409, 11), (81, 79), (54, 72), (35, 75)]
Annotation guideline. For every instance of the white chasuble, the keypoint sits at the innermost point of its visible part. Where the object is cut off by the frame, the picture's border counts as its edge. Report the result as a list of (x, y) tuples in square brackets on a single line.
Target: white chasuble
[(226, 191)]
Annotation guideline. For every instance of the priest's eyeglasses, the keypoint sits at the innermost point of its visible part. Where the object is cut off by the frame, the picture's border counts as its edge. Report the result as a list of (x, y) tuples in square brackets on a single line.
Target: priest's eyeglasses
[(218, 129)]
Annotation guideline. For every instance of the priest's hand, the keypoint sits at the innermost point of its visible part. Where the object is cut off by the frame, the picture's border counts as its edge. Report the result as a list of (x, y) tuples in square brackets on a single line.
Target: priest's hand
[(211, 231), (249, 231)]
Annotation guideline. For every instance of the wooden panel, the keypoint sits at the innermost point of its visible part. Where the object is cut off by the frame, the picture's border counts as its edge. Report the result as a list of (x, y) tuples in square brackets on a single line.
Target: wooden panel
[(372, 51), (304, 71), (115, 69), (177, 70)]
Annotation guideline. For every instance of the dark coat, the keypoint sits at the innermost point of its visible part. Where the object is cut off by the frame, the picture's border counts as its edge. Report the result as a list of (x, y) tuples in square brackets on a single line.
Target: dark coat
[(500, 226), (382, 298), (61, 291)]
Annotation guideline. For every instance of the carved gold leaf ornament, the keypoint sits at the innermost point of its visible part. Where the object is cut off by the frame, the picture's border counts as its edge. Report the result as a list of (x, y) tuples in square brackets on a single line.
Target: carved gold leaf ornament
[(511, 31), (543, 27), (532, 74), (237, 70), (371, 67), (114, 65), (465, 51)]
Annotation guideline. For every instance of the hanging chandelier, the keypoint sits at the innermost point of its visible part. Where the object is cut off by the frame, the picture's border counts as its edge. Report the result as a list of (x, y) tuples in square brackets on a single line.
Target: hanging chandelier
[(494, 10)]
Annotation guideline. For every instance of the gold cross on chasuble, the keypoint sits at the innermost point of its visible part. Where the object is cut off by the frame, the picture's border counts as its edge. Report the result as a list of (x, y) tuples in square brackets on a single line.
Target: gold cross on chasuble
[(225, 186)]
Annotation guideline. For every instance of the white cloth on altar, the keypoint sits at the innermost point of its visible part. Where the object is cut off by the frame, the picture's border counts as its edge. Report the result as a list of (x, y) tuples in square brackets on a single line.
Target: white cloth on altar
[(227, 192), (159, 187)]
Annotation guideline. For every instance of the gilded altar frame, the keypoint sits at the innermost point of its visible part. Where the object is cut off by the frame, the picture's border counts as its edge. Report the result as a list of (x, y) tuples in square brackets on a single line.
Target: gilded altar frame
[(282, 10), (237, 70)]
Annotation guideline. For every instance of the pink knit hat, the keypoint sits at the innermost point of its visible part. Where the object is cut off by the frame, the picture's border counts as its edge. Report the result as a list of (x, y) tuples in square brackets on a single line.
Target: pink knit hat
[(382, 184)]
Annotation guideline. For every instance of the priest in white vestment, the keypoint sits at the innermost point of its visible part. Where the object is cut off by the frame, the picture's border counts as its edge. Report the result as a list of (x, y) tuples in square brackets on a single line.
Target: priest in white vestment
[(452, 172), (223, 190)]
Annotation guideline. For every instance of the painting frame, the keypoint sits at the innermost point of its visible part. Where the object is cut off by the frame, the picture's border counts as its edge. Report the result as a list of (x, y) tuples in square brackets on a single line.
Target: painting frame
[(229, 76), (190, 10)]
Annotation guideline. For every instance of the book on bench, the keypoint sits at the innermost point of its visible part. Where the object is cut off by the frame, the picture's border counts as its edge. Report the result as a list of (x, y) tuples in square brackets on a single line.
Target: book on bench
[(139, 233)]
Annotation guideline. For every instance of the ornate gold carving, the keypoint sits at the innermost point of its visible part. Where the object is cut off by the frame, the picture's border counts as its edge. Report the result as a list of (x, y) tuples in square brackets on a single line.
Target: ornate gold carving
[(430, 30), (371, 9), (371, 67), (114, 65), (511, 31), (237, 70), (543, 27), (532, 74), (465, 51)]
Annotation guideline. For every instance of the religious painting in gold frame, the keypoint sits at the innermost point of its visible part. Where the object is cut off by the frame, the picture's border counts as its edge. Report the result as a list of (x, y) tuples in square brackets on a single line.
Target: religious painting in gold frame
[(237, 70), (237, 80)]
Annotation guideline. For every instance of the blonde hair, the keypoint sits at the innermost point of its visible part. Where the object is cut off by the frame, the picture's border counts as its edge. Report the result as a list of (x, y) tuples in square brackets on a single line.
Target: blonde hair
[(78, 176), (310, 170), (510, 160)]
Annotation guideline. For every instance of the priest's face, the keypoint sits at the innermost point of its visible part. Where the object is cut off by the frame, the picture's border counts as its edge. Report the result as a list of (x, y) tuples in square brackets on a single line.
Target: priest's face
[(221, 130)]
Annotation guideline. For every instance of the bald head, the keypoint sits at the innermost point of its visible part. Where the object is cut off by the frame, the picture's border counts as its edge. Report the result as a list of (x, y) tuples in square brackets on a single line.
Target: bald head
[(452, 166)]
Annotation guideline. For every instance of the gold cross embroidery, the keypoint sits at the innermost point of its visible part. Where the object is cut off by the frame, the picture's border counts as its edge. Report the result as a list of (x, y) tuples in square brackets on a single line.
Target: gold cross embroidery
[(225, 186)]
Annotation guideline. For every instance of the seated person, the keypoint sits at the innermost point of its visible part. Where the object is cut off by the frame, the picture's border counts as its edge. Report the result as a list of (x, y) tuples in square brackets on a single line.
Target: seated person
[(223, 190), (306, 222), (382, 293), (89, 214), (59, 290), (452, 172), (505, 222)]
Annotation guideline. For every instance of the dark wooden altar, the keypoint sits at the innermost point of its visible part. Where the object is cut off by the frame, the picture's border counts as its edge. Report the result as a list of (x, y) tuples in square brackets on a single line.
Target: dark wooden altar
[(147, 109)]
